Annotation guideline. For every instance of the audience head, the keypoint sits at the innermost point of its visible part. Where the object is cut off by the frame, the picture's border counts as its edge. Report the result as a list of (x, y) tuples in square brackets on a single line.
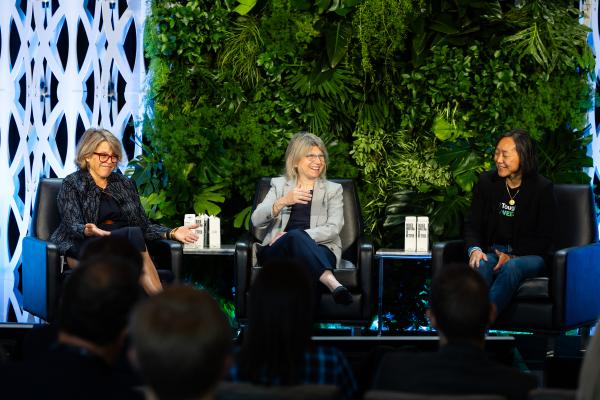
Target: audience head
[(299, 147), (525, 150), (181, 340), (280, 319), (460, 305), (113, 247), (91, 141), (97, 300)]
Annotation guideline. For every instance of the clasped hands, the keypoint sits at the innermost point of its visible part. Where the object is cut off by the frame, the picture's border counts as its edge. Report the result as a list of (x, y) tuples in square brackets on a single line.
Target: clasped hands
[(184, 234), (478, 255)]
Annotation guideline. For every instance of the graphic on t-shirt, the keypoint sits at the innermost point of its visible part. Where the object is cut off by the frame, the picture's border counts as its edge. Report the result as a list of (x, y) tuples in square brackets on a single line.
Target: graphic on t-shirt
[(507, 210)]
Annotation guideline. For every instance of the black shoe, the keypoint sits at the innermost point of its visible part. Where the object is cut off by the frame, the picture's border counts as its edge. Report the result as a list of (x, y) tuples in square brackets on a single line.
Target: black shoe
[(341, 295)]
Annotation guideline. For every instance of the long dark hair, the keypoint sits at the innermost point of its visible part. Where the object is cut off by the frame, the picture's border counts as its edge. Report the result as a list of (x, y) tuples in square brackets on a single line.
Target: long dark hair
[(525, 147), (280, 323)]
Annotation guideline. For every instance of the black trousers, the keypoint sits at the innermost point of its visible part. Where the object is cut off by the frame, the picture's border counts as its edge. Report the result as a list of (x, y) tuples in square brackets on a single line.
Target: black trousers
[(298, 245), (133, 234)]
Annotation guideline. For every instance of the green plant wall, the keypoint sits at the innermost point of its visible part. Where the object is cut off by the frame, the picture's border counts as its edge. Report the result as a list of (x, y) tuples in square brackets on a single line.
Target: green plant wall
[(408, 94)]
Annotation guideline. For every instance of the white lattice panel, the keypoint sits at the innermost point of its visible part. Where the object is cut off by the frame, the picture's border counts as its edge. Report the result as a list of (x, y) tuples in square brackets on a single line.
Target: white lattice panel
[(591, 16), (52, 87)]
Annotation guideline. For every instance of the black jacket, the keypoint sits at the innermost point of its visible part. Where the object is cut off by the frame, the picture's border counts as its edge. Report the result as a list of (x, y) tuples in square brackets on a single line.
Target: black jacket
[(534, 217), (79, 204), (457, 368)]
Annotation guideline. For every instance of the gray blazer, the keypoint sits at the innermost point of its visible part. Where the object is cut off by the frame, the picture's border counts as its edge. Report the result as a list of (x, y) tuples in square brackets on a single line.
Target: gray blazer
[(326, 213)]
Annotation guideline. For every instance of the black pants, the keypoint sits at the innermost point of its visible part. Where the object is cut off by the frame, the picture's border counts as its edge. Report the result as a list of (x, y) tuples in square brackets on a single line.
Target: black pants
[(131, 233), (298, 245)]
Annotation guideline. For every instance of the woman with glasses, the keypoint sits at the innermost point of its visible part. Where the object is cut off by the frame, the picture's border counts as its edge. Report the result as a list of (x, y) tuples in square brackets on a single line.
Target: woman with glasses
[(303, 214), (96, 201)]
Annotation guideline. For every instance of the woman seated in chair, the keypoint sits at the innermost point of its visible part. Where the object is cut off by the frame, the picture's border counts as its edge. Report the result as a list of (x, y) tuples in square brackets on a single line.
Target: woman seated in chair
[(277, 348), (304, 214), (510, 226), (96, 201)]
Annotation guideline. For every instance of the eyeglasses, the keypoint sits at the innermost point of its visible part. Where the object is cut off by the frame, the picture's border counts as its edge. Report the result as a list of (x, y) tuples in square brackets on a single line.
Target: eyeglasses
[(103, 157), (314, 157)]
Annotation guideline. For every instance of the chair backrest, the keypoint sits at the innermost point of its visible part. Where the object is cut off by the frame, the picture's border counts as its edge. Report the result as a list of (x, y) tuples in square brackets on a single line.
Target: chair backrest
[(248, 391), (576, 223), (552, 394), (45, 218), (353, 224), (392, 395)]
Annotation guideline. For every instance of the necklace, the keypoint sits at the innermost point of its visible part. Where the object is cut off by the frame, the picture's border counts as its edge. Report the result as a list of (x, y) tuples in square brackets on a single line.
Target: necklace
[(512, 198)]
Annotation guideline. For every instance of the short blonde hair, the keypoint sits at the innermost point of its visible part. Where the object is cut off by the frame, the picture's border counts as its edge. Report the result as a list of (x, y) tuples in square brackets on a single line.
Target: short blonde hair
[(90, 140), (299, 147)]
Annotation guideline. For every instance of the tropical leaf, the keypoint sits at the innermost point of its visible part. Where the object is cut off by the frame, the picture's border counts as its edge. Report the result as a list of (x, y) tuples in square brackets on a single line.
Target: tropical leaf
[(245, 6), (242, 219), (205, 201), (337, 37)]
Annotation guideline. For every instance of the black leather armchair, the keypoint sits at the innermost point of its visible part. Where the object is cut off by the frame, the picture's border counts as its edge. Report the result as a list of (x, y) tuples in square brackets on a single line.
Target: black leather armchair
[(43, 268), (355, 270), (569, 296)]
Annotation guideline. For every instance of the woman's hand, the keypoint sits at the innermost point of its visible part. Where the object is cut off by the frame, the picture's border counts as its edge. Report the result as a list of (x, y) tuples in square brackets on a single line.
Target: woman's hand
[(476, 257), (297, 196), (502, 259), (91, 230), (185, 234), (277, 236)]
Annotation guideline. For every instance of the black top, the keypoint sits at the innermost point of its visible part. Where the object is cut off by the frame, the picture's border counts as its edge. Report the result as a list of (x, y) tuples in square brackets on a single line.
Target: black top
[(299, 216), (64, 372), (110, 216), (506, 217), (533, 224), (79, 204), (457, 368)]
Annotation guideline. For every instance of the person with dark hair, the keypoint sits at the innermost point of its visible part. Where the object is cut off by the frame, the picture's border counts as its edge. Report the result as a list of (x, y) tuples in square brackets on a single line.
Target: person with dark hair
[(276, 348), (97, 201), (460, 310), (510, 225), (302, 215), (93, 316), (181, 342)]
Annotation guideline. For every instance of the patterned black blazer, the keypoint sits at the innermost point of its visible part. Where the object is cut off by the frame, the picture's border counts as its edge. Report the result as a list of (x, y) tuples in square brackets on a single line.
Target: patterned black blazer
[(79, 204)]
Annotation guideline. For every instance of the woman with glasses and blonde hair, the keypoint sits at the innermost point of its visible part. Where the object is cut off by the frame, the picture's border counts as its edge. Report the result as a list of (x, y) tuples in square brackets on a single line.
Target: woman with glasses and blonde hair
[(303, 214), (97, 201)]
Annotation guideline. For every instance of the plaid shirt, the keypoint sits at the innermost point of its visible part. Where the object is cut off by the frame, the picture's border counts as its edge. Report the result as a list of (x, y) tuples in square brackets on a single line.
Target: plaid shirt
[(323, 366)]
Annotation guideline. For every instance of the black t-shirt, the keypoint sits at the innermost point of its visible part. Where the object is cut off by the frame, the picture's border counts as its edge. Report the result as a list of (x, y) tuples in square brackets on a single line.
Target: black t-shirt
[(506, 213), (299, 216)]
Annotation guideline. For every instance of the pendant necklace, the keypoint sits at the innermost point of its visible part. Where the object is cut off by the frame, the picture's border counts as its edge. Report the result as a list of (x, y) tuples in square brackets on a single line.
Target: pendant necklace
[(512, 198)]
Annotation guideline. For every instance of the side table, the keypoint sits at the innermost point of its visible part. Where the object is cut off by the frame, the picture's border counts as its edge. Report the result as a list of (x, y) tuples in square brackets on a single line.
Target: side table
[(224, 250), (392, 254), (221, 278)]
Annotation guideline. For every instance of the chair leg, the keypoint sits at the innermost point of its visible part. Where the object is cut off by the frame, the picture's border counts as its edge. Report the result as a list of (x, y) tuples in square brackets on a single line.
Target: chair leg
[(584, 332)]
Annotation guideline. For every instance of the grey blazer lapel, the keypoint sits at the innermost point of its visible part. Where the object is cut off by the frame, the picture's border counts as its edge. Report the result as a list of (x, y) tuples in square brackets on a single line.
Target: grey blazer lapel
[(318, 206), (285, 212)]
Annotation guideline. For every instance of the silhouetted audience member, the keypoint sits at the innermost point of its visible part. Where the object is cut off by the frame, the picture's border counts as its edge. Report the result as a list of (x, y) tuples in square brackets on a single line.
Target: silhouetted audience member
[(461, 311), (93, 315), (181, 343), (589, 376), (42, 337), (276, 348)]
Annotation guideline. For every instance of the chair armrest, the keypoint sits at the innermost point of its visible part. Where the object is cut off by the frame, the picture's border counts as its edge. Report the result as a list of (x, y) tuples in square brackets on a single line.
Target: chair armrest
[(243, 257), (167, 254), (575, 284), (41, 272), (365, 262), (446, 252)]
